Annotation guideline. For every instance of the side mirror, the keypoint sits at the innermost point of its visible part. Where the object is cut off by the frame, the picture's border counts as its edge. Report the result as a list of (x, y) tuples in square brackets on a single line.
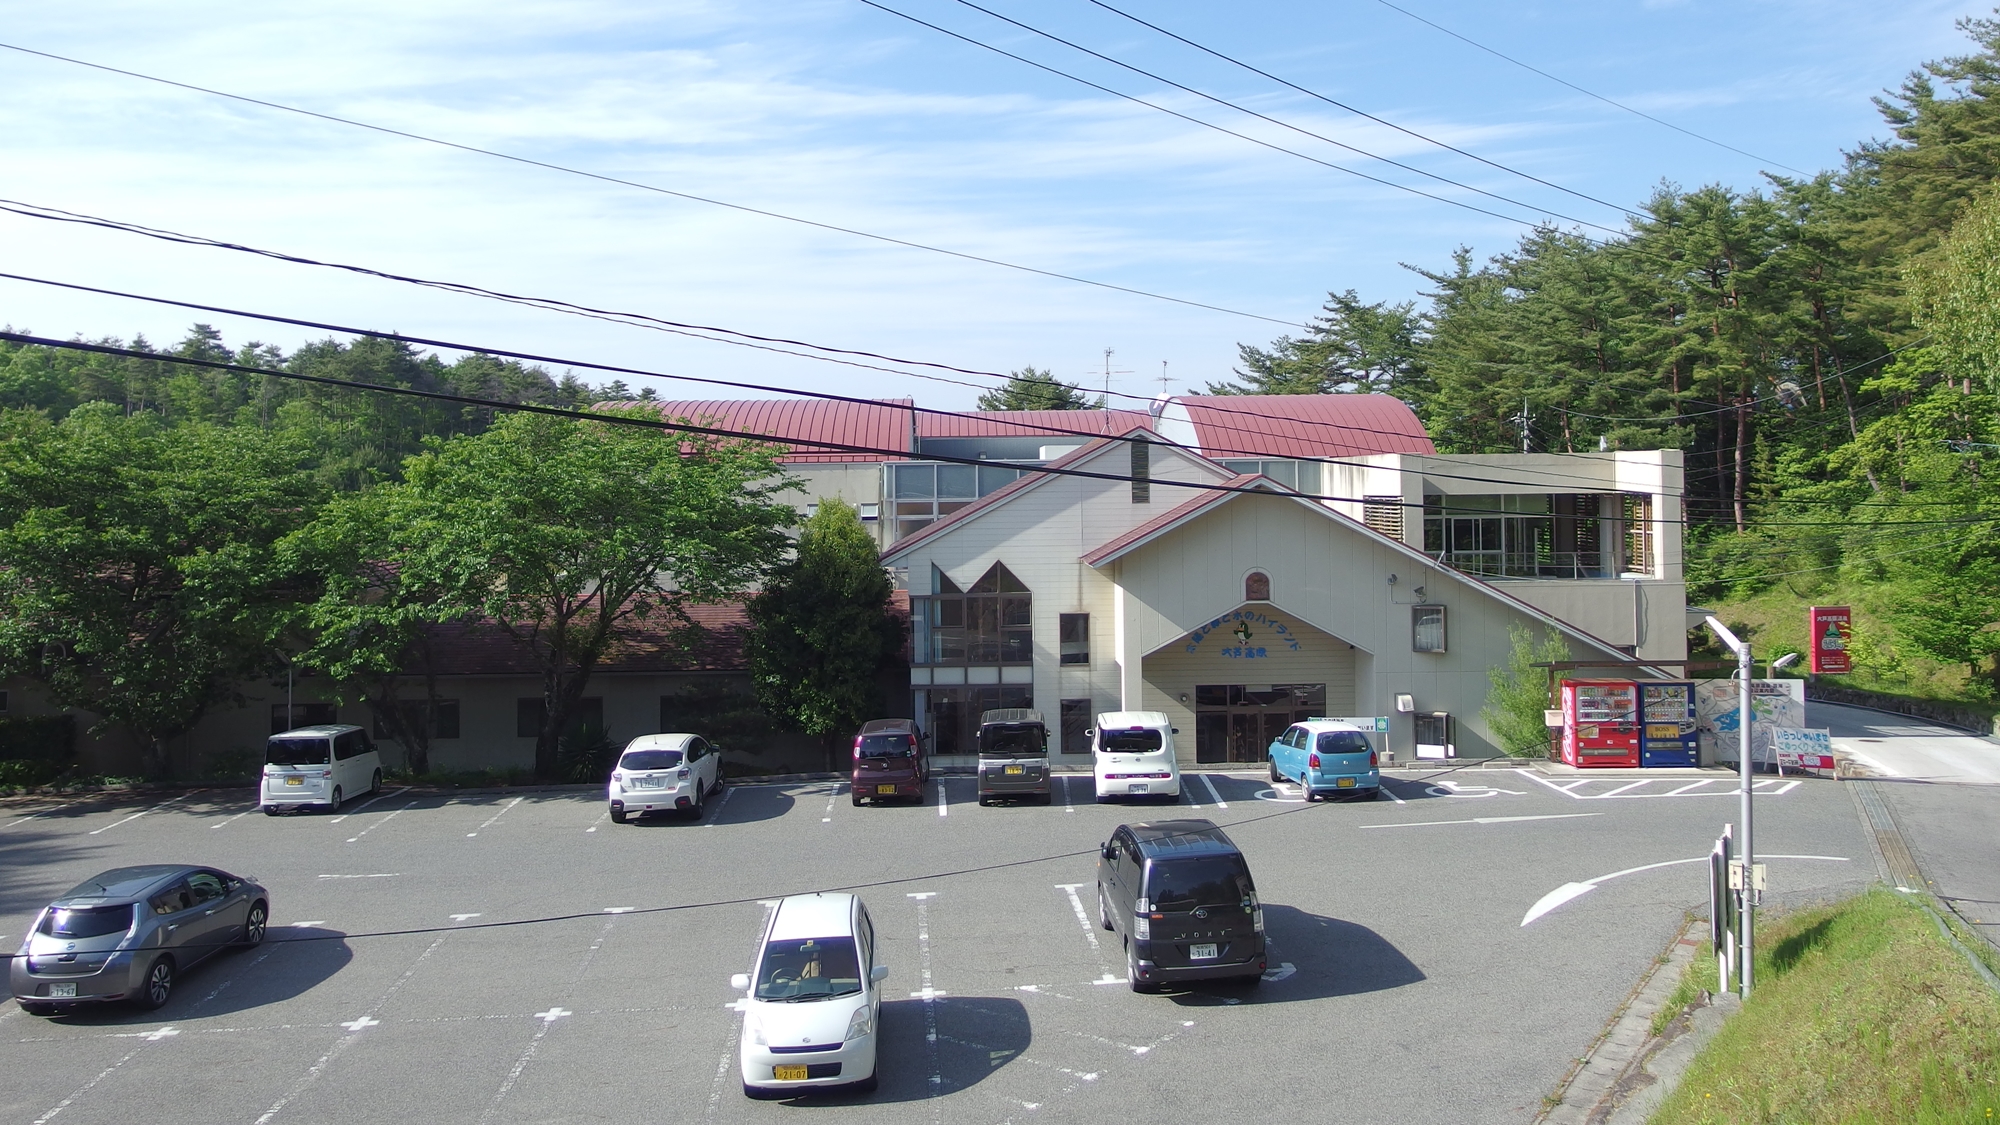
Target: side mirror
[(1107, 851), (1090, 732), (878, 974), (1175, 730), (740, 982)]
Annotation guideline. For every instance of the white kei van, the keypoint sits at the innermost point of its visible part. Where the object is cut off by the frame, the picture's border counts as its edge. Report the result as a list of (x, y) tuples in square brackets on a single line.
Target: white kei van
[(1133, 755), (318, 766)]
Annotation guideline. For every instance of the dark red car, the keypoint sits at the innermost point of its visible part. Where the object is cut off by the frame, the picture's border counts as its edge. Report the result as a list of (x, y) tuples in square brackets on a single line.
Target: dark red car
[(889, 761)]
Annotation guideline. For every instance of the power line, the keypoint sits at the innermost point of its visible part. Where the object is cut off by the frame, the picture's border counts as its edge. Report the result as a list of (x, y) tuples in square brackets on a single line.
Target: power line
[(601, 177), (1287, 125), (1459, 203), (1447, 146), (1588, 93)]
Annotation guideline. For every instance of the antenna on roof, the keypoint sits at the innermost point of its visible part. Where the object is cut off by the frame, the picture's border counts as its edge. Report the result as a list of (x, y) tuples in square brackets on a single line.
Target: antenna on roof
[(1108, 373)]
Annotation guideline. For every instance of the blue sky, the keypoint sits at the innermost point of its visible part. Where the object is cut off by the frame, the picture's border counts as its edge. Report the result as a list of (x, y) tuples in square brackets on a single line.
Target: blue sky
[(835, 111)]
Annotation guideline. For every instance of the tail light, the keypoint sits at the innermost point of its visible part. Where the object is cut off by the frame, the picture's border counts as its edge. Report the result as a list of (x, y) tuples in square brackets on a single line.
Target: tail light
[(1313, 761), (1142, 928), (326, 773), (1371, 759), (684, 773)]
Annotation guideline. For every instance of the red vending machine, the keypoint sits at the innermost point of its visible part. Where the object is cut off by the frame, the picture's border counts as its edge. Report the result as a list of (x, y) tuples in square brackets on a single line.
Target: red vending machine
[(1600, 723), (1667, 711)]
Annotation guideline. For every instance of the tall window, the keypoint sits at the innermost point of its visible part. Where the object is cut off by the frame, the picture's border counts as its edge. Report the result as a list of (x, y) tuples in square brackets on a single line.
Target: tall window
[(1527, 536), (991, 623), (923, 492), (1074, 630), (1142, 471), (1427, 628)]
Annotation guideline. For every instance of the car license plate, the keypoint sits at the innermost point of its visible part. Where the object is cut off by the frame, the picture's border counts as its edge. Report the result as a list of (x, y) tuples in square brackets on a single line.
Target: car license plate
[(1203, 952), (789, 1073), (651, 782), (1140, 787), (885, 789), (1011, 770), (1344, 783), (295, 781), (63, 990)]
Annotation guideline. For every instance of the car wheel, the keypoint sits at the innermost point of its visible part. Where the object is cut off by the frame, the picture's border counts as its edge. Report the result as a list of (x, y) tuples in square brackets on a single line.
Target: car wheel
[(375, 783), (1103, 910), (271, 810), (1275, 775), (254, 925), (159, 985), (35, 1008), (617, 816), (1132, 973), (1306, 791), (694, 807), (983, 801), (333, 805)]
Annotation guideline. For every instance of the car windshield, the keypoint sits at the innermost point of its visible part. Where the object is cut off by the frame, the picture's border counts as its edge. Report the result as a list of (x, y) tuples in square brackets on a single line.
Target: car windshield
[(1129, 741), (87, 921), (298, 752), (1343, 742), (640, 760), (1188, 882), (883, 746), (1013, 742), (808, 969)]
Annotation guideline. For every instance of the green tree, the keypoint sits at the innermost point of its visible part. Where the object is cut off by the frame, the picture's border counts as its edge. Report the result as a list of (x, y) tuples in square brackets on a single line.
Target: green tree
[(140, 578), (1029, 389), (1352, 347), (559, 533), (1519, 692), (821, 632)]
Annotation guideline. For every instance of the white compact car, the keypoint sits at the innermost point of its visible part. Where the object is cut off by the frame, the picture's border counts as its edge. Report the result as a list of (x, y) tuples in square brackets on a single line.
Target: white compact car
[(664, 773), (815, 1004), (1133, 755), (320, 766)]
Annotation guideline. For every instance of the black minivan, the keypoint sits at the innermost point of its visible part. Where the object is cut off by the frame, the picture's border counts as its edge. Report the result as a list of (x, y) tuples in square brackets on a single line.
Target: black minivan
[(1181, 895)]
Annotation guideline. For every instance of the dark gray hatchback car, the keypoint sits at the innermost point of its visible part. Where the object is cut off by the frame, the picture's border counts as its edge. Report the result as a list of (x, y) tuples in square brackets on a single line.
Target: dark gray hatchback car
[(130, 932)]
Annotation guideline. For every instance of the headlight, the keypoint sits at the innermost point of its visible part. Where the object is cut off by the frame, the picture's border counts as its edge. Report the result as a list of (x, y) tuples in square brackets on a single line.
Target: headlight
[(862, 1024)]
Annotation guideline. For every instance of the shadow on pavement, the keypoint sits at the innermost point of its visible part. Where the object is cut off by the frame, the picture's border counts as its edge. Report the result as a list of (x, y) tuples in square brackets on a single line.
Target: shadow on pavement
[(1329, 957), (745, 806), (292, 960), (976, 1036)]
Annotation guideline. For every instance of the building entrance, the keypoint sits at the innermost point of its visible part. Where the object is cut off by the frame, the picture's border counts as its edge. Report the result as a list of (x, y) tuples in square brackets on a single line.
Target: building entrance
[(1238, 722)]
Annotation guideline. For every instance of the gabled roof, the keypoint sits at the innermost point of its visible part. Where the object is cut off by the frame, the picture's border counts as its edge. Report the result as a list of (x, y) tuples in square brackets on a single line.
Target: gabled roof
[(1031, 423), (1193, 509), (1351, 425), (1019, 485), (878, 425)]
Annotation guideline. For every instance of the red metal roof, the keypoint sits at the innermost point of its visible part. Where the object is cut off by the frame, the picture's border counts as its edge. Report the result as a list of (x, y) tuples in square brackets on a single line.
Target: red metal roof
[(1028, 423), (1228, 426), (876, 425)]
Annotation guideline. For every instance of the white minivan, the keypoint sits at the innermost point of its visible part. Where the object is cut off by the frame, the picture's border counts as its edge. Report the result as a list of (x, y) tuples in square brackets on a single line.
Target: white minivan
[(1133, 755), (322, 766), (811, 1018)]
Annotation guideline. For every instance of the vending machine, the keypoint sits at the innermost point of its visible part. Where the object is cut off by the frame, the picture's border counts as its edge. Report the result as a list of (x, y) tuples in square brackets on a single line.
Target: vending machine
[(1667, 726), (1600, 723)]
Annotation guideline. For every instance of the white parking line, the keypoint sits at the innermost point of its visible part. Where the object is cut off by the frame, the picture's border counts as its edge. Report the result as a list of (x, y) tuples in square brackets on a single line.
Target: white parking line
[(37, 813), (377, 797), (1069, 804), (941, 797), (1082, 919), (1213, 792), (929, 994), (64, 1104), (384, 820), (1384, 786), (1483, 820), (496, 816), (143, 812), (716, 813), (1623, 788), (832, 795), (234, 819), (601, 817), (1690, 787)]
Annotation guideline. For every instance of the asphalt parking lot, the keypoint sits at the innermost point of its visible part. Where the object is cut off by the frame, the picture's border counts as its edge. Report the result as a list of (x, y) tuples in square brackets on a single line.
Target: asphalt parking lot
[(490, 957)]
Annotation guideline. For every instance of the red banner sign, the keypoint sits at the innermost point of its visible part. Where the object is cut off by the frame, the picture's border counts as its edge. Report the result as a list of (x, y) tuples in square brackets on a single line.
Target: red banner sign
[(1830, 629)]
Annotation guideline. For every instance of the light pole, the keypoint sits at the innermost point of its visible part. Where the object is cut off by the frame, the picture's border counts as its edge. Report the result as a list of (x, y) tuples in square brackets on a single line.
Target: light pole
[(1745, 966)]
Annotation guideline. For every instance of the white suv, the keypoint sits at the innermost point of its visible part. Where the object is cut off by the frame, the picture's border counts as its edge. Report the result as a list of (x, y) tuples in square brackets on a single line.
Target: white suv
[(664, 773), (813, 1012)]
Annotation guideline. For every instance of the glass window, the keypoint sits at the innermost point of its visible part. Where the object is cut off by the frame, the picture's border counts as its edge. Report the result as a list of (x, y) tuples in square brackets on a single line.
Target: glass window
[(298, 751), (444, 719), (298, 715), (641, 760), (1343, 742), (1284, 472), (884, 746), (915, 481), (995, 477), (1257, 587), (1073, 631), (959, 481), (809, 969), (87, 922), (528, 717), (1075, 721), (1129, 741), (206, 887), (1427, 628), (1242, 467), (1183, 884), (1309, 477), (173, 900)]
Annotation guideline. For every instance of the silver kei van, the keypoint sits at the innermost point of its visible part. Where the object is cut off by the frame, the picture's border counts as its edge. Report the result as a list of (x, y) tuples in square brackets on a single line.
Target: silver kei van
[(1014, 755), (321, 766)]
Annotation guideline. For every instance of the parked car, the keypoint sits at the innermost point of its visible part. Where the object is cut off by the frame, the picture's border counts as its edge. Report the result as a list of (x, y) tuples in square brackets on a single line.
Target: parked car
[(1180, 895), (1133, 755), (889, 761), (1013, 755), (1327, 756), (129, 933), (815, 1002), (321, 765), (664, 773)]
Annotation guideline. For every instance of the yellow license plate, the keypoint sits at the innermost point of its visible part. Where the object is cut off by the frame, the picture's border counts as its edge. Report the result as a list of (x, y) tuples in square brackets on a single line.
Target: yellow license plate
[(1011, 770), (295, 781), (885, 789), (789, 1073), (1344, 783)]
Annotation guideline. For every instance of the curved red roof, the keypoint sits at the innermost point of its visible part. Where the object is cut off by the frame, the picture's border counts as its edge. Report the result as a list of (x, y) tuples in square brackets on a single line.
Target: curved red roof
[(1029, 423), (1353, 425), (884, 425)]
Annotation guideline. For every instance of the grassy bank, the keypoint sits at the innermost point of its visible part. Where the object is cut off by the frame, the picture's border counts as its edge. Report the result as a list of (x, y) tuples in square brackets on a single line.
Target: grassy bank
[(1862, 1013)]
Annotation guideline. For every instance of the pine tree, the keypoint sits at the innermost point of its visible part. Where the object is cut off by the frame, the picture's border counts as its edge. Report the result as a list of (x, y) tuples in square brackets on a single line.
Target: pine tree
[(1029, 389)]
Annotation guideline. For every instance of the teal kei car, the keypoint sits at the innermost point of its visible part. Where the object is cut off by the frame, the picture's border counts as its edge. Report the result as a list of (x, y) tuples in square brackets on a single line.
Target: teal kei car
[(1327, 757)]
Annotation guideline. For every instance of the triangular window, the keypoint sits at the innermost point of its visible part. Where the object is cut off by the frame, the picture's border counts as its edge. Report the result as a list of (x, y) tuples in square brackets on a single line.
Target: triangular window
[(998, 580), (942, 583)]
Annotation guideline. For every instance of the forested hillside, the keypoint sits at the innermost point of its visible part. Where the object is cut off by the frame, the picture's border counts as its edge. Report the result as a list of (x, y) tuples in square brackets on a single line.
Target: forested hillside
[(1825, 350)]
